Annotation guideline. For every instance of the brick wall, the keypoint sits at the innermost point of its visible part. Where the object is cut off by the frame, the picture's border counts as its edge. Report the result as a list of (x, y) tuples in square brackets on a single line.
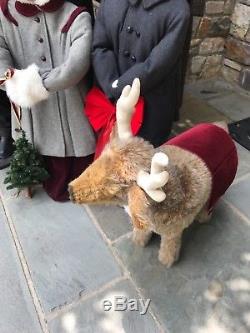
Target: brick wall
[(208, 40), (237, 47)]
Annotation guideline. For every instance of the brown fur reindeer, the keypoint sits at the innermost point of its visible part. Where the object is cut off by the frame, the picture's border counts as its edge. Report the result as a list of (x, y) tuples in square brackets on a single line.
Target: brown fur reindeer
[(165, 189)]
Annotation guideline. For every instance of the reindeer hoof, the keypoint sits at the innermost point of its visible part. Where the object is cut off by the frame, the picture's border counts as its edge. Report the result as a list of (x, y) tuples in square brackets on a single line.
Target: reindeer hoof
[(141, 238), (168, 259)]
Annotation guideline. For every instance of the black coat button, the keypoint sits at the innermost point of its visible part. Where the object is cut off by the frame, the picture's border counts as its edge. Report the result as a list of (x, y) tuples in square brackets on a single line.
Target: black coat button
[(133, 58), (40, 40), (37, 19), (138, 34), (126, 53), (43, 58), (129, 29)]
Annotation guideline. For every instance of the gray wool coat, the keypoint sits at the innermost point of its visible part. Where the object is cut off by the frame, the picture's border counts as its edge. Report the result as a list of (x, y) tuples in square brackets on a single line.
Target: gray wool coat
[(57, 126), (143, 39)]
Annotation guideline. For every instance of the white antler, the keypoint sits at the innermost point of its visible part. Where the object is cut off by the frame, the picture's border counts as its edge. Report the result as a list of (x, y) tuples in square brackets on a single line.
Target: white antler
[(158, 177), (125, 108)]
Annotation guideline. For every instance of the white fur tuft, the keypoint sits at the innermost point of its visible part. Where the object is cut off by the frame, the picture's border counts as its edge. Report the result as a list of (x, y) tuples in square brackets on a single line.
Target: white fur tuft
[(35, 2), (26, 88)]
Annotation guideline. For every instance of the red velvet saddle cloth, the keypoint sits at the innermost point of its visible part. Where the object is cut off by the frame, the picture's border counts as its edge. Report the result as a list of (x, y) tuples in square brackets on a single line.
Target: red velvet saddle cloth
[(216, 148), (101, 114)]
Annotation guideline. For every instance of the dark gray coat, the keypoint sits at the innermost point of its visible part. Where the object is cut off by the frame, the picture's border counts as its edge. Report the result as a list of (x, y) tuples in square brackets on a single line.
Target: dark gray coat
[(144, 39)]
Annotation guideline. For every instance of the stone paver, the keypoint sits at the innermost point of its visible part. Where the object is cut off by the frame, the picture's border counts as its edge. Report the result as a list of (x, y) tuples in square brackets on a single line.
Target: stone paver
[(206, 90), (17, 313), (211, 252), (239, 195), (73, 265), (234, 106), (113, 220), (244, 162), (64, 251), (195, 111), (89, 317), (198, 111)]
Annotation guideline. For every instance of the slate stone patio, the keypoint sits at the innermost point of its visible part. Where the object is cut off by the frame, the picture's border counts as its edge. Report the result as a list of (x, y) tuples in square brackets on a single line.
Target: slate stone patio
[(58, 262)]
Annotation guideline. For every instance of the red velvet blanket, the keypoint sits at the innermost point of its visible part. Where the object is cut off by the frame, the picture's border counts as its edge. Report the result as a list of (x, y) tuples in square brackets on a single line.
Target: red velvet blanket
[(216, 148)]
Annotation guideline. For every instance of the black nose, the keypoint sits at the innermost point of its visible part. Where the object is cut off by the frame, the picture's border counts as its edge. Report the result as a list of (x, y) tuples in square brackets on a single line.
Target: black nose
[(71, 193)]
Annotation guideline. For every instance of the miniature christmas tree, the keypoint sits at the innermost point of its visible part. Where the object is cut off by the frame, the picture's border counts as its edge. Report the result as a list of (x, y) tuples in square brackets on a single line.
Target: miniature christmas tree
[(26, 168)]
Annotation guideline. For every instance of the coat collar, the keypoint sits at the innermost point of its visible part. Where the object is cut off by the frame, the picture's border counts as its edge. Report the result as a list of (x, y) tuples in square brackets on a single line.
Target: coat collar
[(31, 10), (146, 3)]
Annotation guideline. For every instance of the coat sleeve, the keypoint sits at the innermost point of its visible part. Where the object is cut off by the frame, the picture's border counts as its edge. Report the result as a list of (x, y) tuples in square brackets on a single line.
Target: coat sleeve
[(103, 57), (77, 64), (162, 58), (6, 60)]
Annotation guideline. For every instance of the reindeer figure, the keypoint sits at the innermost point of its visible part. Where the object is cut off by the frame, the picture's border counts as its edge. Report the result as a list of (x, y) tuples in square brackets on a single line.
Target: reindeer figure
[(165, 189)]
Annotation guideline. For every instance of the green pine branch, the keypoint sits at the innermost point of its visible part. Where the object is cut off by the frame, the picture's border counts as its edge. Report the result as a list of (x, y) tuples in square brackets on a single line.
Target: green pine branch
[(26, 166)]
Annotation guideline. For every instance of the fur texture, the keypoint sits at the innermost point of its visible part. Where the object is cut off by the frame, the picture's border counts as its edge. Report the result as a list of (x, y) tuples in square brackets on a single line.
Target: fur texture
[(35, 2), (26, 88), (113, 179)]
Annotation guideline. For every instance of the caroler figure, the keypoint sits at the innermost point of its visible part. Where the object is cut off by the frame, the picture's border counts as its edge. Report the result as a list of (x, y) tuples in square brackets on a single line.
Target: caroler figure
[(47, 43), (143, 39)]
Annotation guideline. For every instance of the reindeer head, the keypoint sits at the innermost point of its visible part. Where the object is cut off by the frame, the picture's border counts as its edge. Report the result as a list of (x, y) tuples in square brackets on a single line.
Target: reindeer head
[(108, 179)]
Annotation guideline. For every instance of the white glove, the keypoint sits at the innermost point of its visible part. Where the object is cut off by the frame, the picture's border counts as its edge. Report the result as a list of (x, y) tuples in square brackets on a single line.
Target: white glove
[(26, 87), (115, 84)]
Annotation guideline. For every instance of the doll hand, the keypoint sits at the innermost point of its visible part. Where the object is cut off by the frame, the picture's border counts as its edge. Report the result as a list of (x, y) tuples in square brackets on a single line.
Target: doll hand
[(152, 182), (115, 84), (26, 88)]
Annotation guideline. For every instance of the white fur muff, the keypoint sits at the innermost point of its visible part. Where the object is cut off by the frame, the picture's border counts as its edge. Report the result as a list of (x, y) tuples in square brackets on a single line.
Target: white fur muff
[(26, 87)]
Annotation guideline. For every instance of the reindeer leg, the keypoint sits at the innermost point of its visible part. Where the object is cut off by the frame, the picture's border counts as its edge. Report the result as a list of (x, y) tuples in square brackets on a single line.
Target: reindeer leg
[(204, 216), (171, 240), (141, 237), (170, 249), (140, 215)]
